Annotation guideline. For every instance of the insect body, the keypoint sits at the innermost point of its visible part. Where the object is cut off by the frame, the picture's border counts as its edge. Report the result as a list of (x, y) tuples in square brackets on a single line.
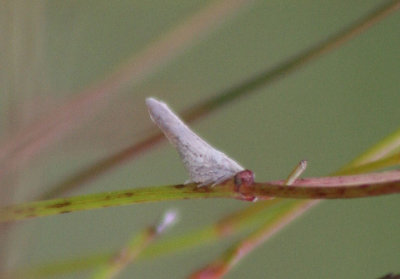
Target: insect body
[(205, 164)]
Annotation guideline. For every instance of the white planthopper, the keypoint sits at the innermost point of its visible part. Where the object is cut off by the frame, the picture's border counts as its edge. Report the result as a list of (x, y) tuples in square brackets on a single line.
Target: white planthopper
[(205, 164)]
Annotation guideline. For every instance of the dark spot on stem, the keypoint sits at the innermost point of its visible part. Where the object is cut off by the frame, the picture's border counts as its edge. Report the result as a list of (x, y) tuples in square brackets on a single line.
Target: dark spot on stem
[(121, 195), (60, 205), (321, 194), (341, 191)]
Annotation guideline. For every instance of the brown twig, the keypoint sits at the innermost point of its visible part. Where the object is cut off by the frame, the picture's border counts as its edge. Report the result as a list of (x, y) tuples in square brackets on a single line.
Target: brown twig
[(341, 187)]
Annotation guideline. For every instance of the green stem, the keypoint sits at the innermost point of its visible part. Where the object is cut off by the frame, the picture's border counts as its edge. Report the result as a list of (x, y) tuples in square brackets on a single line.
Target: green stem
[(380, 150), (339, 187), (102, 200)]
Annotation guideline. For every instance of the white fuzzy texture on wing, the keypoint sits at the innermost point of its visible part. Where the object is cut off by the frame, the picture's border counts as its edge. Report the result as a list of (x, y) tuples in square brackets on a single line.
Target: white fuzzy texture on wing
[(205, 164)]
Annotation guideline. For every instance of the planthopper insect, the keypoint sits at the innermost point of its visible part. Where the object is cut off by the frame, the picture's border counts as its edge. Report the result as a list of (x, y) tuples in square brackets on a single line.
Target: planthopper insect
[(205, 164)]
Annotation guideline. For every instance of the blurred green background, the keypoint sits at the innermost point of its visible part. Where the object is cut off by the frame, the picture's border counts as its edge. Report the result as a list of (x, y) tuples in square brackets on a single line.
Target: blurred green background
[(327, 112)]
